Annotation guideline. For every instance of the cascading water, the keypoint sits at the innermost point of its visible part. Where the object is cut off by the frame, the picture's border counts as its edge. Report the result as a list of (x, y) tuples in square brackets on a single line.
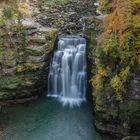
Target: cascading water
[(67, 77)]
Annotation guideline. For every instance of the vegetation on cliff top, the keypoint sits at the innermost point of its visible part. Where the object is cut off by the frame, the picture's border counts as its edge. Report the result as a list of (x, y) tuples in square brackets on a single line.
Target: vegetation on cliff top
[(119, 43)]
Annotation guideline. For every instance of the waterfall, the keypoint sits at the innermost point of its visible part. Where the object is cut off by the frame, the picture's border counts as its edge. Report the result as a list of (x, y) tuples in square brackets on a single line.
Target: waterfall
[(67, 76)]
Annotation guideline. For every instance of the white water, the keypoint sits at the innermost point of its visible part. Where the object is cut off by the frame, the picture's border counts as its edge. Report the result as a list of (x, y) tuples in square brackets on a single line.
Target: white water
[(67, 77), (96, 4)]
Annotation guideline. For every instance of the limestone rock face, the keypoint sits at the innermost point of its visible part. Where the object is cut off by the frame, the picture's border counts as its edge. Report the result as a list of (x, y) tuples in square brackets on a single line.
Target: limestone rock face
[(23, 73)]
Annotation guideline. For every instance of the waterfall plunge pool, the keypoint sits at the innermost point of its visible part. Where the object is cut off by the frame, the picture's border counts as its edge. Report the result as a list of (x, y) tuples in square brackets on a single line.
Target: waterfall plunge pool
[(47, 119)]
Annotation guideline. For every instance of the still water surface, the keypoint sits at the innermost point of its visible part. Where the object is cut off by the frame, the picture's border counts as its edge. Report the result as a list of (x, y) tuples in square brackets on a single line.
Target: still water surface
[(47, 119)]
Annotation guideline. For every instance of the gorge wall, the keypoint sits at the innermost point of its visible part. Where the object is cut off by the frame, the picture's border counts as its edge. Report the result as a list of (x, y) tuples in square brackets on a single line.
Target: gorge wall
[(116, 69)]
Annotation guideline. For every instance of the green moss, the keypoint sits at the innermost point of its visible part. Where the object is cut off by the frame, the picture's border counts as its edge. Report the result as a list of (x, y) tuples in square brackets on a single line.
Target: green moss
[(37, 40), (50, 33), (21, 81), (11, 82), (8, 56), (6, 95), (34, 52), (19, 85), (25, 67)]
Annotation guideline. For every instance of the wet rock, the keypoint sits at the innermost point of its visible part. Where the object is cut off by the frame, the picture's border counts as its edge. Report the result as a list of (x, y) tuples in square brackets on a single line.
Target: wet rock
[(9, 71), (135, 88), (131, 138), (37, 48), (109, 128), (36, 59), (32, 31)]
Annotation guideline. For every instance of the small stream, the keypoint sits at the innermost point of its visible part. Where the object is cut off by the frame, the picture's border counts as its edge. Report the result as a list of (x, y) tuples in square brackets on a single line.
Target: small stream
[(47, 119)]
